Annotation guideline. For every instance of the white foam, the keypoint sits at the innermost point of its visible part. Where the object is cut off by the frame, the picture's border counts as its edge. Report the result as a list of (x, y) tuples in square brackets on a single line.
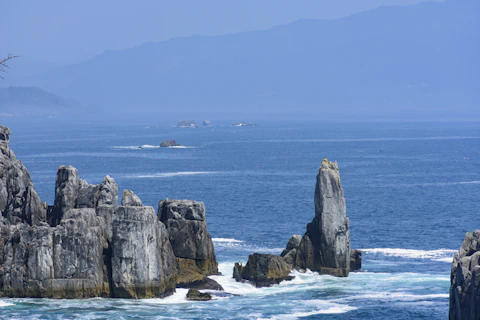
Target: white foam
[(437, 255), (169, 174), (227, 240), (397, 296), (180, 296), (149, 146), (5, 304), (323, 307)]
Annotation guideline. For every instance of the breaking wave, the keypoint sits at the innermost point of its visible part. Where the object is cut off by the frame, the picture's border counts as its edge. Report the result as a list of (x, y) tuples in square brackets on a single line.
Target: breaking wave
[(441, 255)]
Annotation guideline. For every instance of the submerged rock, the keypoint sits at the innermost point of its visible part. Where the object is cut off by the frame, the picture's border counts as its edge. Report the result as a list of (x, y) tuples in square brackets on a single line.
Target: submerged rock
[(465, 280), (325, 247), (195, 295), (169, 143), (191, 242), (263, 270)]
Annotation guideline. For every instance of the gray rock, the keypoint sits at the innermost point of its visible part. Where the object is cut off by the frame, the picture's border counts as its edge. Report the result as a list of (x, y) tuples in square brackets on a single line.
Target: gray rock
[(66, 261), (191, 242), (206, 123), (355, 260), (19, 202), (131, 199), (195, 295), (169, 143), (465, 280), (325, 247), (143, 263), (263, 270), (294, 242), (72, 192)]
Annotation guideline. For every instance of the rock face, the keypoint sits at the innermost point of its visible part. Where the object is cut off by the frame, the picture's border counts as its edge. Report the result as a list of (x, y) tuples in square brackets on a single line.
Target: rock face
[(143, 263), (263, 270), (465, 280), (169, 143), (192, 244), (85, 245), (325, 247), (19, 202)]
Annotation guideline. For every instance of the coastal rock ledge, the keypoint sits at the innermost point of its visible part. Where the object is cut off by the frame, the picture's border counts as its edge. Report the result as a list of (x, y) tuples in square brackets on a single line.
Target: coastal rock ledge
[(86, 245), (465, 280)]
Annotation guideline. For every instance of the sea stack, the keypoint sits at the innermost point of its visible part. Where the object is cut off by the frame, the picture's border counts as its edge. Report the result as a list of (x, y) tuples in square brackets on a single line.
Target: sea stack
[(465, 280), (325, 247)]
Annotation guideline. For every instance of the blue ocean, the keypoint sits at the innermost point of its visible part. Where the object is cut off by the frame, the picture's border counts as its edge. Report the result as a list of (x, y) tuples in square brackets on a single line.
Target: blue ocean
[(412, 192)]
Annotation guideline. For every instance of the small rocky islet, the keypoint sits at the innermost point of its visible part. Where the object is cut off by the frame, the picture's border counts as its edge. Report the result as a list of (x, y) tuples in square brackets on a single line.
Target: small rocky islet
[(86, 245)]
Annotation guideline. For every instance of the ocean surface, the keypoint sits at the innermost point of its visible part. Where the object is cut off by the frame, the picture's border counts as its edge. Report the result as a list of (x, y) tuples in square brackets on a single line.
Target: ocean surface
[(412, 192)]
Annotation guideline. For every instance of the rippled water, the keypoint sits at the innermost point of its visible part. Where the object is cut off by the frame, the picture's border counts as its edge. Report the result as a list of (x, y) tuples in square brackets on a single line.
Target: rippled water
[(411, 190)]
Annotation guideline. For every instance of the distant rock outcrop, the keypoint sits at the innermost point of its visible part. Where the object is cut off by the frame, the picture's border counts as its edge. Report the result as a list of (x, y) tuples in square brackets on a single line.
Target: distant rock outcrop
[(85, 245), (169, 143), (263, 270), (186, 124), (206, 123), (465, 280), (192, 244)]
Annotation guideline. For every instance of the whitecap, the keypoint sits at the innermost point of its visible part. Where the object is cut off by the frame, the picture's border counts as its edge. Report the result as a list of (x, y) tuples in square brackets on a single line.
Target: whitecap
[(227, 240), (180, 296), (5, 304), (437, 255), (326, 307), (169, 174)]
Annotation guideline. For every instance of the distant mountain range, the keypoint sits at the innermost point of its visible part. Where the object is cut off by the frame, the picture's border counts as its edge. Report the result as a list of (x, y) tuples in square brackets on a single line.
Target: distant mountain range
[(397, 62), (34, 102)]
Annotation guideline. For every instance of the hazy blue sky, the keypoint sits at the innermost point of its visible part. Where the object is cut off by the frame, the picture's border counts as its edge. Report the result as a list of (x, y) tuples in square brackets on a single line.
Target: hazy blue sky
[(62, 32)]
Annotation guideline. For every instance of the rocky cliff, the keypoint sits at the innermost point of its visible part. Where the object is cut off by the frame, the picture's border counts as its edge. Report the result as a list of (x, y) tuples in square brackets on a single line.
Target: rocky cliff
[(192, 244), (465, 280), (85, 245)]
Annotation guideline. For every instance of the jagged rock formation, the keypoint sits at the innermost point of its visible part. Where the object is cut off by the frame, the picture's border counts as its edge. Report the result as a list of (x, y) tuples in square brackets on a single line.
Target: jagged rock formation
[(206, 123), (191, 242), (186, 123), (465, 280), (19, 202), (263, 270), (85, 245), (325, 247)]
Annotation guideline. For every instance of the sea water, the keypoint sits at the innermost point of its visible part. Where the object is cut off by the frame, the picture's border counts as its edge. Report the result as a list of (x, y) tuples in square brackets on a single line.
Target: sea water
[(412, 192)]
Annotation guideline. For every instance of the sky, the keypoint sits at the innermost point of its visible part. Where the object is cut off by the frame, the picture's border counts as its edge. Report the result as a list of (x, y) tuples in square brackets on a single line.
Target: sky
[(63, 32)]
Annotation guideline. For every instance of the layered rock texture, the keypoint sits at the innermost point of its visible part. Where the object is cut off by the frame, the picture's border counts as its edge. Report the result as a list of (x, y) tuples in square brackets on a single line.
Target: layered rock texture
[(85, 245), (465, 280), (192, 244)]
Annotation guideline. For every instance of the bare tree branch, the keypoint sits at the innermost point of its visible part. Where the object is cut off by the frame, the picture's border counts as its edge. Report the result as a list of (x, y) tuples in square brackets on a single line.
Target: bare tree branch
[(3, 63)]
